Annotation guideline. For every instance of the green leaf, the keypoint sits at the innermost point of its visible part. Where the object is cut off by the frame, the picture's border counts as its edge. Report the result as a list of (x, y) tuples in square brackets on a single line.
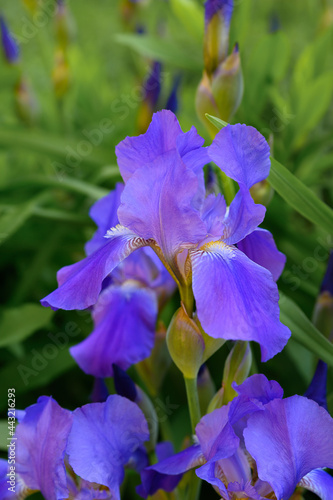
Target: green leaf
[(16, 324), (4, 435), (163, 50), (303, 331), (12, 217), (308, 114), (219, 124), (190, 15), (54, 146), (300, 197), (36, 369)]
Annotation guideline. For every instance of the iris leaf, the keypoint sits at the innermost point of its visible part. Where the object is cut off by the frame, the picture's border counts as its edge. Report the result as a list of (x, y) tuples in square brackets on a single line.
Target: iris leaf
[(303, 331)]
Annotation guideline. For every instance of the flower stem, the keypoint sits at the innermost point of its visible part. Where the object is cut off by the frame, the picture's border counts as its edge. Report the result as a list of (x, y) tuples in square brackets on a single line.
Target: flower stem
[(193, 401)]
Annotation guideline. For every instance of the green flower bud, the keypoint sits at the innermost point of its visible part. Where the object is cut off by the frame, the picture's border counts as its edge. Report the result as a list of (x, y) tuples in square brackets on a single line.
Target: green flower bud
[(220, 93), (262, 192), (26, 104), (64, 25), (61, 75), (236, 369), (185, 343)]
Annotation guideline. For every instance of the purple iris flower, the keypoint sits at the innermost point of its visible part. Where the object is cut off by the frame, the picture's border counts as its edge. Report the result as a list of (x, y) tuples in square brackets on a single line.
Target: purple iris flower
[(104, 438), (95, 441), (40, 444), (126, 311), (222, 8), (163, 206), (257, 446), (9, 44)]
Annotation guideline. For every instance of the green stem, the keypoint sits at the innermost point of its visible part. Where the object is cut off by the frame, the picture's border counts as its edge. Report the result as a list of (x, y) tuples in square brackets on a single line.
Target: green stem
[(194, 487), (193, 401)]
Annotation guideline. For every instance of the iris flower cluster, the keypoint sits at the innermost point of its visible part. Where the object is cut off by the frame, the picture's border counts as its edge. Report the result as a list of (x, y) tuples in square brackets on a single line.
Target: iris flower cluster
[(157, 231)]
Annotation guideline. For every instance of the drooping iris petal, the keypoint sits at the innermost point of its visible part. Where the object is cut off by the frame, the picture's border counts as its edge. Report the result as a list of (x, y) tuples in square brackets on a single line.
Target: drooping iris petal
[(167, 473), (157, 204), (317, 389), (41, 443), (134, 153), (243, 217), (260, 247), (81, 283), (243, 299), (104, 214), (124, 330), (103, 438), (258, 387), (319, 482), (208, 472), (242, 153), (289, 439), (216, 436)]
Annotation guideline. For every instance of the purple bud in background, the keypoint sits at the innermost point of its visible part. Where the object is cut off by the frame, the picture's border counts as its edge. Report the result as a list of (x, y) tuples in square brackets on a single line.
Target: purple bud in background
[(152, 85), (172, 102), (124, 385), (317, 388), (9, 44), (100, 392)]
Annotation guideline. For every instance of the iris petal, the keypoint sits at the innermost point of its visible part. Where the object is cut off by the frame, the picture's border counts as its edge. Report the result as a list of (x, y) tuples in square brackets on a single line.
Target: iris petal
[(124, 332), (242, 303), (289, 439)]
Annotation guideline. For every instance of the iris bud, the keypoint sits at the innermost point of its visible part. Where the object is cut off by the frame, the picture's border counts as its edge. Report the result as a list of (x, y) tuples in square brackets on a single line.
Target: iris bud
[(63, 25), (152, 90), (206, 388), (211, 344), (221, 88), (262, 192), (9, 45), (185, 343), (100, 392), (25, 102), (323, 312), (31, 5), (236, 369), (125, 387), (60, 75), (220, 93), (153, 369)]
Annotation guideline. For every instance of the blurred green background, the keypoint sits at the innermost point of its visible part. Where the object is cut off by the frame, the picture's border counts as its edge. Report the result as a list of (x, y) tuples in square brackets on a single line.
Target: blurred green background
[(57, 157)]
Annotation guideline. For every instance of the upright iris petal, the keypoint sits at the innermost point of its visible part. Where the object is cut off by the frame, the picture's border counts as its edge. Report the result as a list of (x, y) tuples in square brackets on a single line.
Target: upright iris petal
[(103, 439), (41, 442)]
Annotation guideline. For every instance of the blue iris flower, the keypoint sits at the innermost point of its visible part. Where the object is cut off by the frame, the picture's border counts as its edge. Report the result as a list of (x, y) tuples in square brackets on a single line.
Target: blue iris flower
[(96, 442), (231, 264), (257, 446)]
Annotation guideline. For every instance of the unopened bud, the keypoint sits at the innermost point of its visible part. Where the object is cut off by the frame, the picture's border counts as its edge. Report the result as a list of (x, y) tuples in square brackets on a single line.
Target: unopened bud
[(100, 392), (64, 25), (125, 387), (323, 312), (172, 102), (211, 344), (216, 401), (153, 369), (31, 5), (218, 15), (185, 343), (61, 75), (236, 369), (220, 94), (206, 388), (25, 102), (152, 90), (262, 192), (9, 44)]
